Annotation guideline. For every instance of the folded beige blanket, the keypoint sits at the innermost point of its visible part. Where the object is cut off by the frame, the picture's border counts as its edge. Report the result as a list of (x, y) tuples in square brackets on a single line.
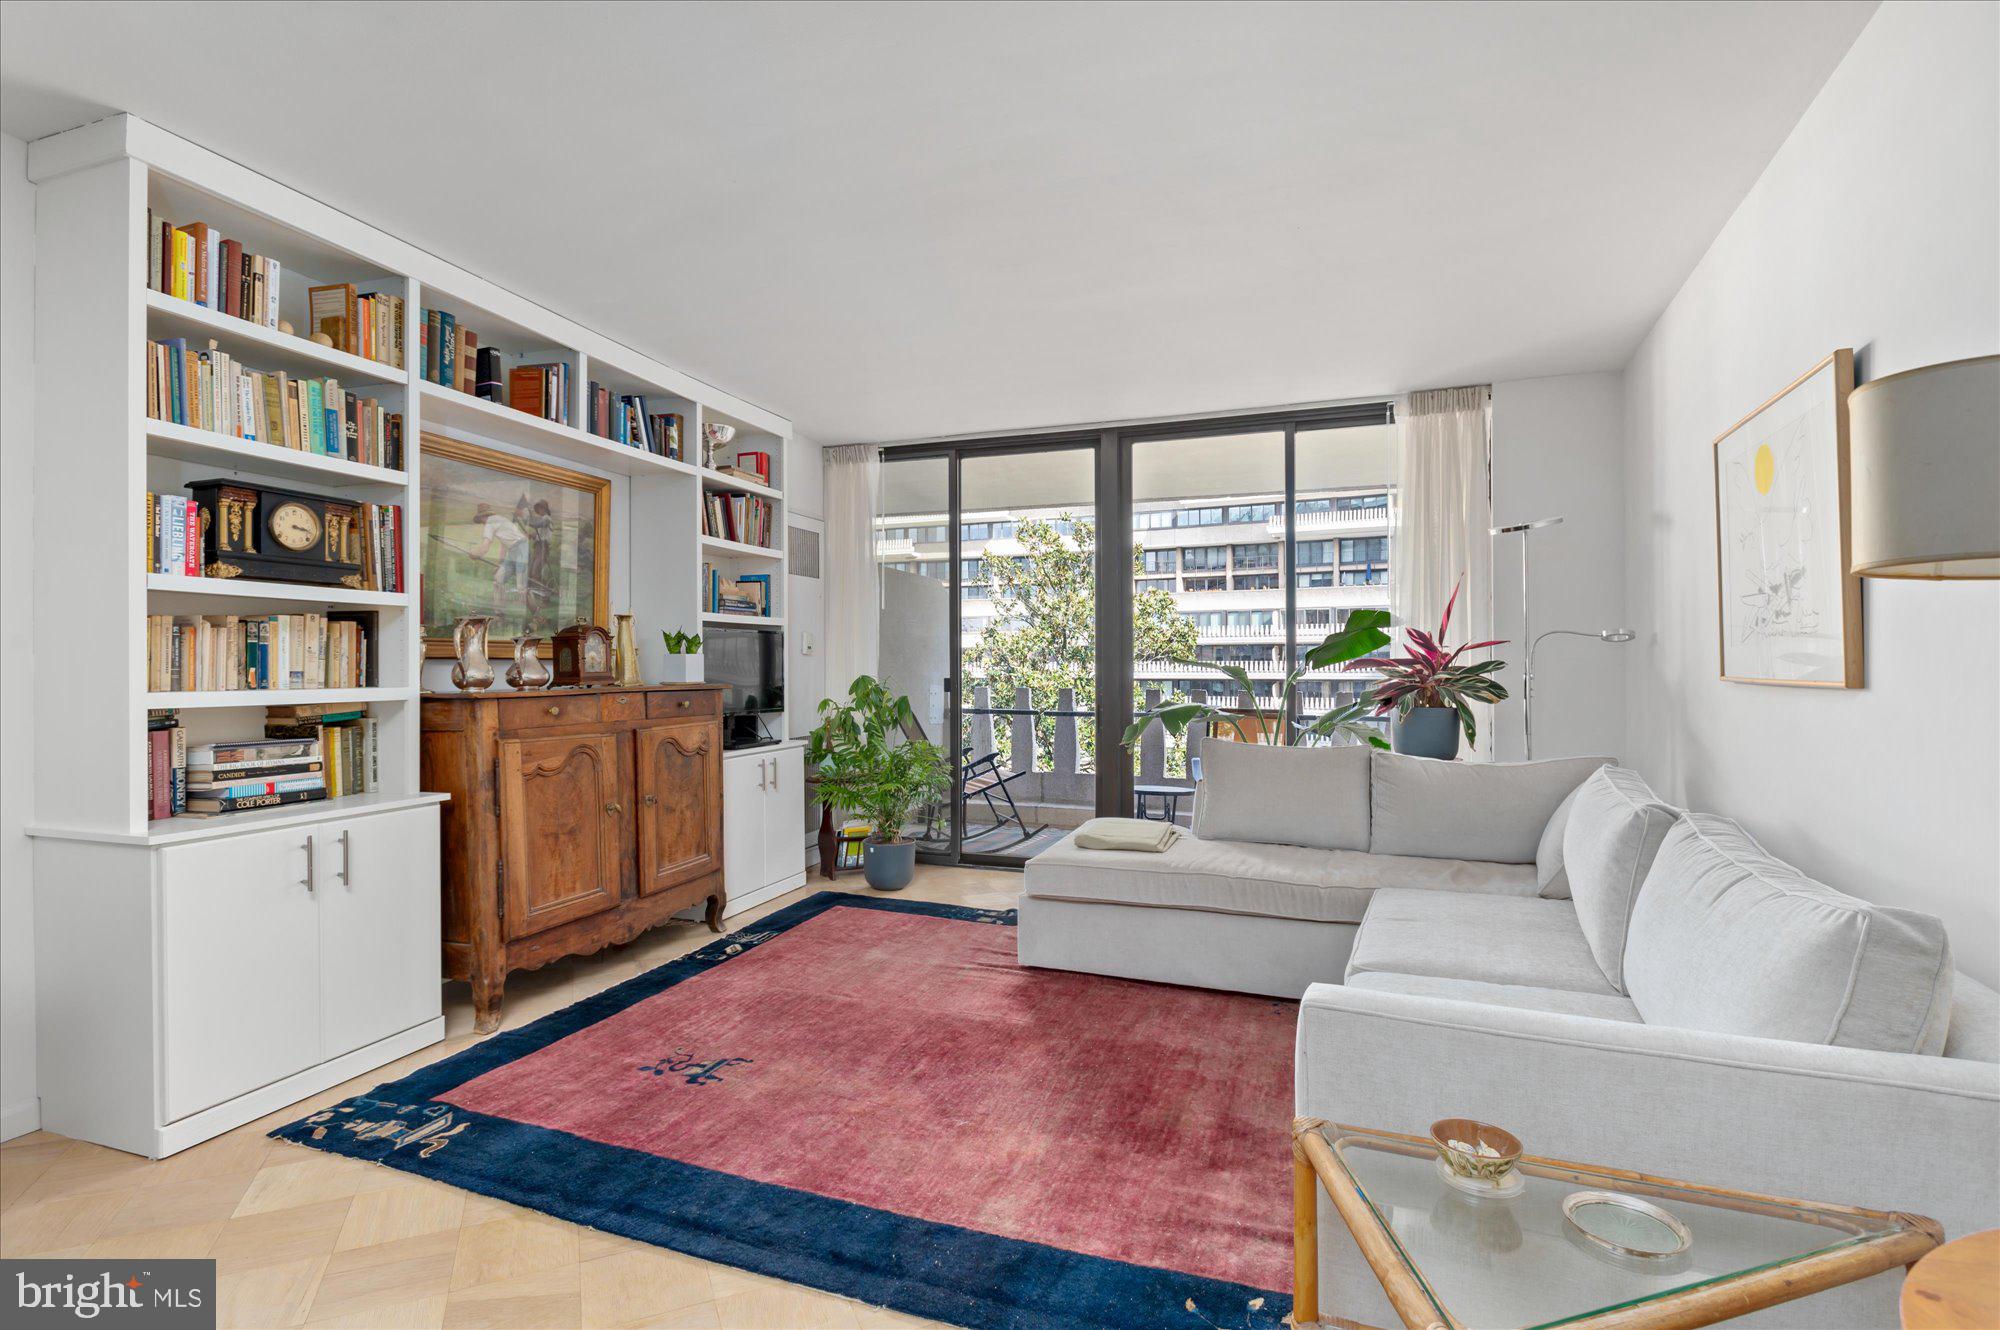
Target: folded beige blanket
[(1126, 833)]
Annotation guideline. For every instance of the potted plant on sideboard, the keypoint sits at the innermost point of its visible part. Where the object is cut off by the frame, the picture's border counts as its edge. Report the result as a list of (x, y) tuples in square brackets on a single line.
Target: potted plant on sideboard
[(868, 763), (1431, 693)]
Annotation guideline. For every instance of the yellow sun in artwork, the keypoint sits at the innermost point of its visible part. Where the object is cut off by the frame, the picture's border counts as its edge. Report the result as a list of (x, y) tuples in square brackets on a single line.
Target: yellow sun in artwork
[(1766, 468)]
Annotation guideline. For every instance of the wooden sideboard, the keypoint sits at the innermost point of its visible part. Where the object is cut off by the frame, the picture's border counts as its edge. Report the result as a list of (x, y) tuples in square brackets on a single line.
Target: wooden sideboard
[(579, 818)]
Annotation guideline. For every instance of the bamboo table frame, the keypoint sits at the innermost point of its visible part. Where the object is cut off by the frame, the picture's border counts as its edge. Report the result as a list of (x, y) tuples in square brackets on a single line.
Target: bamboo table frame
[(1314, 1165)]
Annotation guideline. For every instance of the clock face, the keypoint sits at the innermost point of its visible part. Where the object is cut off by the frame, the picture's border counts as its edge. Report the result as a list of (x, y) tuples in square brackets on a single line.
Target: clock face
[(596, 655), (295, 526)]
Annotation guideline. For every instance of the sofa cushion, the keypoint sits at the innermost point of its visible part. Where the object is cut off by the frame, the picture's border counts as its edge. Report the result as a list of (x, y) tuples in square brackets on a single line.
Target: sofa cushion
[(1729, 939), (1604, 1006), (1975, 1021), (1551, 878), (1614, 830), (1276, 795), (1520, 940), (1492, 811), (1240, 877)]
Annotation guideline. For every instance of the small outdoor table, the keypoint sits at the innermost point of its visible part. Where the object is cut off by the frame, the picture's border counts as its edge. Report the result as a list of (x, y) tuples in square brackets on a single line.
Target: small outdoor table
[(1168, 795)]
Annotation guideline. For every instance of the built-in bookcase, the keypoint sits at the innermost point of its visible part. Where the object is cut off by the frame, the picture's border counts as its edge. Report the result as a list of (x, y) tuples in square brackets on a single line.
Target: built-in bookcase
[(197, 973)]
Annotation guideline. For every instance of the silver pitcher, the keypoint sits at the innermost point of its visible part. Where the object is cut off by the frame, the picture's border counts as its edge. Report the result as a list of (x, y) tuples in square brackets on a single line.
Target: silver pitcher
[(529, 670), (473, 671)]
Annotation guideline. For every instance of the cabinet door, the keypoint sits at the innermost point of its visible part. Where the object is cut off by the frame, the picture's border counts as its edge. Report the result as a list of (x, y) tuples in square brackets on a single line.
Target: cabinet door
[(746, 781), (378, 927), (562, 829), (680, 802), (239, 967), (784, 818)]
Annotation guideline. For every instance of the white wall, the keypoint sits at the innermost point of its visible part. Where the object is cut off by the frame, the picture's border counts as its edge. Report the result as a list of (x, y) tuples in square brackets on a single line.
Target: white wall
[(1877, 227), (1558, 452), (19, 1110)]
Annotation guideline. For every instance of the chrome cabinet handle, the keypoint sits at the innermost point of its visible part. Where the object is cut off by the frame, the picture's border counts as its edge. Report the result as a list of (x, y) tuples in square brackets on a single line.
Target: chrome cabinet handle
[(346, 859), (763, 775), (308, 879), (774, 773)]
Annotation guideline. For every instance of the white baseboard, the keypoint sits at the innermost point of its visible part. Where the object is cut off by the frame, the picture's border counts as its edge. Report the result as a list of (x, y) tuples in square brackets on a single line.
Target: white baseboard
[(20, 1119), (753, 899)]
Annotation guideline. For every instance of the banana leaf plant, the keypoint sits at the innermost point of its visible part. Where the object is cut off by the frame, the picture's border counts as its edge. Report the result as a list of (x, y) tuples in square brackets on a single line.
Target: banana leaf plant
[(1430, 675), (1364, 631)]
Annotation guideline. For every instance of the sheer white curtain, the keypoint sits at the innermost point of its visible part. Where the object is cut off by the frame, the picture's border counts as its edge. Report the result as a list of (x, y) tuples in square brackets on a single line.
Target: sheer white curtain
[(853, 601), (1447, 505)]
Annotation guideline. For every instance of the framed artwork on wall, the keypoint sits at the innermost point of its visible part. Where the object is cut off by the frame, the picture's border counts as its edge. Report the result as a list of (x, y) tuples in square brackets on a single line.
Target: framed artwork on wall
[(1788, 609), (521, 540)]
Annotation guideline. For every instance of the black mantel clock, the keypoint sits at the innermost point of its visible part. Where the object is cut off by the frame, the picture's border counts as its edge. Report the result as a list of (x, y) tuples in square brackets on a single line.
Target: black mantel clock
[(252, 530)]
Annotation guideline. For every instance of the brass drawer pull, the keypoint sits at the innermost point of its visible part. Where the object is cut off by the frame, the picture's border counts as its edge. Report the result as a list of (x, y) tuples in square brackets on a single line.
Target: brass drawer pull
[(652, 800), (612, 809), (555, 711), (684, 702)]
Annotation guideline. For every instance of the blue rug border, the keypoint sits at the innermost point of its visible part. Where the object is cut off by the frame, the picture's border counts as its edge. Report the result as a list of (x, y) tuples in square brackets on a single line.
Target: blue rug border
[(939, 1271)]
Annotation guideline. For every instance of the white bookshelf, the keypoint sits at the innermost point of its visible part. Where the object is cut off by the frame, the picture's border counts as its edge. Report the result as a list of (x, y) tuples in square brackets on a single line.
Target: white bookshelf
[(121, 986)]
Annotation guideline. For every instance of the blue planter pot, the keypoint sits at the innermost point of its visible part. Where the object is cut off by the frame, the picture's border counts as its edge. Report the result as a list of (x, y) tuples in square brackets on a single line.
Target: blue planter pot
[(1427, 732), (889, 867)]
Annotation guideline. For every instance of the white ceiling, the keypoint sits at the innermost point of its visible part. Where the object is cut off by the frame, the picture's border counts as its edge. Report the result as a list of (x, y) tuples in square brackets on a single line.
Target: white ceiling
[(901, 220)]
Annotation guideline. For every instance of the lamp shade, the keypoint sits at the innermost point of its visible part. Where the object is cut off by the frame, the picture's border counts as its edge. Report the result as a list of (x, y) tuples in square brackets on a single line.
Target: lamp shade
[(1924, 454)]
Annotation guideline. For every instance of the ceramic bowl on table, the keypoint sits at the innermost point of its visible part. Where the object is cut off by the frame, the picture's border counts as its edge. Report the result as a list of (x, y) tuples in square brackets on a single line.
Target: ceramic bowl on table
[(1477, 1152)]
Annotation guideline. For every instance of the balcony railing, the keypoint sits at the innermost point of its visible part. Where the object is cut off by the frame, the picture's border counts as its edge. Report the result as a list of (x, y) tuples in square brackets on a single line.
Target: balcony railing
[(1341, 519)]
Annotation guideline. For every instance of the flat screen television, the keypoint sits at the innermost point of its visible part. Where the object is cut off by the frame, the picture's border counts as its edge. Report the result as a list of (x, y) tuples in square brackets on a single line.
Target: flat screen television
[(750, 665)]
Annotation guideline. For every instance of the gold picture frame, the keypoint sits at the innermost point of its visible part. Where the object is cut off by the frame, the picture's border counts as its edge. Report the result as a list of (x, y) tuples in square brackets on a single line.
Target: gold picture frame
[(543, 531), (1788, 603)]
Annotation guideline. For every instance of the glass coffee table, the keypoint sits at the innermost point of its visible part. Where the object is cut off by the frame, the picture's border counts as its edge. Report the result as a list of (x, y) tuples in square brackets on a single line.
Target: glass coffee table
[(1448, 1260)]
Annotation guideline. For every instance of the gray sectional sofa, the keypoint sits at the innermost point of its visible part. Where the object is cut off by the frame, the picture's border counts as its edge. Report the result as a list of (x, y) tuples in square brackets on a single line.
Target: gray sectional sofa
[(1551, 947)]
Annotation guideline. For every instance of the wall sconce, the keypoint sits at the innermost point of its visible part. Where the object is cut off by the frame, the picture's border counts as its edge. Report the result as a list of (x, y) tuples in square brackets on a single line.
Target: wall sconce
[(1924, 454)]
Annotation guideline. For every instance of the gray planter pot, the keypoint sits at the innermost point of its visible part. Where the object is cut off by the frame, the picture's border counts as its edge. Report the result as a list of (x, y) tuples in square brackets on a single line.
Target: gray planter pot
[(1427, 732), (889, 867)]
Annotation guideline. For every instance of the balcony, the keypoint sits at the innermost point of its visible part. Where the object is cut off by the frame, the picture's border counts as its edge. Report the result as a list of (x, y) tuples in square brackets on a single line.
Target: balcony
[(1343, 520)]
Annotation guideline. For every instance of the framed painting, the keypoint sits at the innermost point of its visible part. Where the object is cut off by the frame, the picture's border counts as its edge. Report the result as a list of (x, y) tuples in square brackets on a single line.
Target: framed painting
[(521, 540), (1788, 608)]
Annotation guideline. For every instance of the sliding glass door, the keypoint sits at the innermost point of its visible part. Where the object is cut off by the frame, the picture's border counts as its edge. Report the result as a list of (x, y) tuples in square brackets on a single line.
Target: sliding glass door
[(1037, 594), (989, 625)]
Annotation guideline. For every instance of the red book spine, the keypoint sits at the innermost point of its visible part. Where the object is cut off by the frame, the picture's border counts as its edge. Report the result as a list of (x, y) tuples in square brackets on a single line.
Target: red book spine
[(159, 774), (232, 289), (191, 555)]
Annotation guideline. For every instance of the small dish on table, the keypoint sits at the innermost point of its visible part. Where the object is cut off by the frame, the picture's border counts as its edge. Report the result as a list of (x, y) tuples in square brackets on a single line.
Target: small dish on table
[(1476, 1157)]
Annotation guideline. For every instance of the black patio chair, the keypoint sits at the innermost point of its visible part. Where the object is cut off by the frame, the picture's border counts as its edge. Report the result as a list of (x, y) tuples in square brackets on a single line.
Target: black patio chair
[(980, 776)]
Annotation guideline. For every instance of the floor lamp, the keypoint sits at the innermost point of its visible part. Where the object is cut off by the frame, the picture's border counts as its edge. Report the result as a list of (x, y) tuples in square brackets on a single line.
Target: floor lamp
[(1524, 530), (1528, 675)]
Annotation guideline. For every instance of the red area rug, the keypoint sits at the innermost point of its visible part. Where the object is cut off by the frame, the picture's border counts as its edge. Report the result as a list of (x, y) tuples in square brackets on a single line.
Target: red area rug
[(1019, 1141)]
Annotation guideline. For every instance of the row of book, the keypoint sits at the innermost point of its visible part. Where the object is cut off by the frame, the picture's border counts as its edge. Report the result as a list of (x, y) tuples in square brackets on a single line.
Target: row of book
[(195, 262), (750, 464), (369, 325), (345, 735), (623, 417), (540, 390), (173, 535), (211, 390), (307, 753), (451, 356), (229, 652), (748, 593), (744, 518)]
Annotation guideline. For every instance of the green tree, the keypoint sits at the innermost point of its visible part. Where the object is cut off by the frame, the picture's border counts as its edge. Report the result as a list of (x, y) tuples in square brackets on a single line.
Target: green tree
[(1044, 632)]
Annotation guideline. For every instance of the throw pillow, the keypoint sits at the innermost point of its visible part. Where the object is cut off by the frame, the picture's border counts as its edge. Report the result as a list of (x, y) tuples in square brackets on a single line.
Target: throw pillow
[(1615, 827), (1494, 811), (1551, 878)]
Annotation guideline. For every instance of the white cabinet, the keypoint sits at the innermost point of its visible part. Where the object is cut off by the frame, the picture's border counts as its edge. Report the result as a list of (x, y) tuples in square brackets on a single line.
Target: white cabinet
[(239, 967), (186, 988), (379, 946), (763, 812)]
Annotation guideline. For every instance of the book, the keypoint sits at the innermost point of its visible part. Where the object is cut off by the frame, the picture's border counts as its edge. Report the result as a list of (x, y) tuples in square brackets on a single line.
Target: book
[(487, 381), (230, 787), (207, 807), (468, 361), (330, 310)]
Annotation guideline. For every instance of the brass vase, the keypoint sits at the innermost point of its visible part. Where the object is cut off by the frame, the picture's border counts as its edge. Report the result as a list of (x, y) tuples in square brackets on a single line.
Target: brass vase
[(474, 671), (625, 650), (529, 670)]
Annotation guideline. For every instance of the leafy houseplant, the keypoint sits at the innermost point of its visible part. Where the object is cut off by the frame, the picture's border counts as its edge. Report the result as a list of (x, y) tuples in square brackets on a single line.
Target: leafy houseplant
[(1431, 693), (864, 762), (683, 656), (1364, 631)]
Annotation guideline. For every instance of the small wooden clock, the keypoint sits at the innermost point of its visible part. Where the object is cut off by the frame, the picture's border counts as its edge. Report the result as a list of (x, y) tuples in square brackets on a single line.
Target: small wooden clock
[(583, 656), (252, 530)]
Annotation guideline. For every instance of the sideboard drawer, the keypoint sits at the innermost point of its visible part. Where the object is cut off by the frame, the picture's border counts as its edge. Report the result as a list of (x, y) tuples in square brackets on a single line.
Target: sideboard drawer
[(624, 706), (547, 709), (704, 702)]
